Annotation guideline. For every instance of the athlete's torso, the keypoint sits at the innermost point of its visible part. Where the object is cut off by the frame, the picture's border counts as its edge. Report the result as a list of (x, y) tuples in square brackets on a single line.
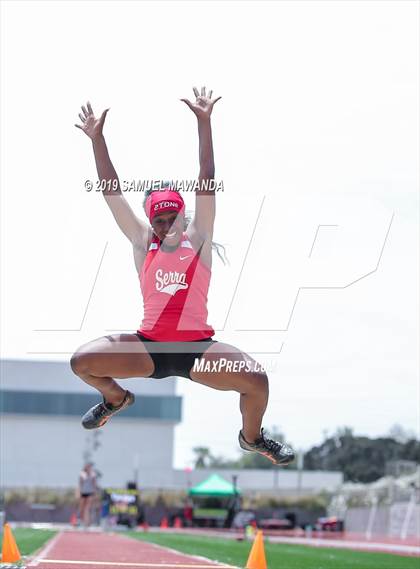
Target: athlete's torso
[(140, 250), (87, 482), (174, 287)]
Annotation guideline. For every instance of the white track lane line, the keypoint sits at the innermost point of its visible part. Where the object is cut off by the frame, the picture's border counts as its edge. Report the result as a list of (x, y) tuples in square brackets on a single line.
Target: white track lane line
[(45, 550), (216, 564), (133, 564)]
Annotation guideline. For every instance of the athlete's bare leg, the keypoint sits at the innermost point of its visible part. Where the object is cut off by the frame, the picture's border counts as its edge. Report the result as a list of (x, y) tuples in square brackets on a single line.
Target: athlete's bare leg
[(85, 509), (116, 356), (252, 385)]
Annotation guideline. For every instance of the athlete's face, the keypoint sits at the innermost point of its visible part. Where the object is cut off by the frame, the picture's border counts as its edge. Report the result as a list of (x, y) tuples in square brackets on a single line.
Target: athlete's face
[(169, 227)]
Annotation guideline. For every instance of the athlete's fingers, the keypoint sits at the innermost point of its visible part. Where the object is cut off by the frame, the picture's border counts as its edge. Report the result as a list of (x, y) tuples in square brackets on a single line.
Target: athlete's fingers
[(210, 94), (89, 108), (187, 102), (203, 91), (78, 126), (84, 111), (82, 118), (103, 115), (215, 100), (196, 93)]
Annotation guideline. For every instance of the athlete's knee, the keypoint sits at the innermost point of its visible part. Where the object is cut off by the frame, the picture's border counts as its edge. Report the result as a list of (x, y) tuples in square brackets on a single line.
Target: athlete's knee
[(80, 362), (261, 381), (256, 382)]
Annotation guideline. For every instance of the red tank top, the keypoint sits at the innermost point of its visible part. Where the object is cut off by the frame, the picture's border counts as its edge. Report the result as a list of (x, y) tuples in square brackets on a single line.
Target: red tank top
[(174, 287)]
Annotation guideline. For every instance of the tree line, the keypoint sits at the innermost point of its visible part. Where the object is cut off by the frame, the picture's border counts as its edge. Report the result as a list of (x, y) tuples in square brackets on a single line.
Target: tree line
[(359, 458)]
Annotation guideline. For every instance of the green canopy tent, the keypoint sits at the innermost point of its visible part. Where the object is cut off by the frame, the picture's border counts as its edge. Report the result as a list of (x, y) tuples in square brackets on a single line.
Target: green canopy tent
[(215, 485), (215, 502)]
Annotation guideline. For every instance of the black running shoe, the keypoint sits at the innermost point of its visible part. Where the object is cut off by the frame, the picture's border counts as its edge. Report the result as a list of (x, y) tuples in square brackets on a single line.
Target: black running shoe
[(99, 414), (279, 453)]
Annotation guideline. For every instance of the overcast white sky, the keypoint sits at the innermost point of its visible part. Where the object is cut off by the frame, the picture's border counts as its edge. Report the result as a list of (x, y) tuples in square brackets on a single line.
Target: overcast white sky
[(318, 124)]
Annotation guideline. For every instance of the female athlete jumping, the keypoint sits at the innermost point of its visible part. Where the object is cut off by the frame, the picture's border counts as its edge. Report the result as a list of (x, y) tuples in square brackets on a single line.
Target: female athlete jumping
[(173, 260)]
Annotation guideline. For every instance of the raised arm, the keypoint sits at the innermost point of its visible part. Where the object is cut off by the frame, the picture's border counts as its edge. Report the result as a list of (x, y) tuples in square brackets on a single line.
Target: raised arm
[(205, 200), (132, 227)]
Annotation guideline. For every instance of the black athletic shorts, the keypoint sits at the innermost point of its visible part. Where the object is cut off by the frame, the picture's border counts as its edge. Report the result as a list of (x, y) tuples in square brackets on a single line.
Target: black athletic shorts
[(174, 358)]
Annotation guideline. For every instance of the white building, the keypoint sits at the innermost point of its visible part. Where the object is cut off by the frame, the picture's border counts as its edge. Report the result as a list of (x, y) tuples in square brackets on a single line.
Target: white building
[(43, 443), (278, 481)]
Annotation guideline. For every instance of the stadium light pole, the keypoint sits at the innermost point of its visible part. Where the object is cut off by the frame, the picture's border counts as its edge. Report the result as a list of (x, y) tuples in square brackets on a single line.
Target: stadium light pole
[(300, 454), (235, 482), (136, 464)]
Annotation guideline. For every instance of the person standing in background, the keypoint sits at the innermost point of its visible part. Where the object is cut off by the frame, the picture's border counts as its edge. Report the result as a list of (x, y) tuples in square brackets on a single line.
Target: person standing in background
[(87, 491)]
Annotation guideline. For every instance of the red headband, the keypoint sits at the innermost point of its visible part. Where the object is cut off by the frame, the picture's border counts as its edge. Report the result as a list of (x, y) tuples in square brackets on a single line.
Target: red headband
[(162, 201)]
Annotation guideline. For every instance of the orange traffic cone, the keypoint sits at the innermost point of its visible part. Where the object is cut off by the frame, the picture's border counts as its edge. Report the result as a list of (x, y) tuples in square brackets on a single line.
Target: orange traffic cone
[(256, 559), (10, 552), (164, 523), (177, 523), (73, 519)]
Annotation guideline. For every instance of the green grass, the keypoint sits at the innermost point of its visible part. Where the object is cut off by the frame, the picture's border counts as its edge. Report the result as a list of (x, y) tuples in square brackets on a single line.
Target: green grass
[(279, 556), (29, 540)]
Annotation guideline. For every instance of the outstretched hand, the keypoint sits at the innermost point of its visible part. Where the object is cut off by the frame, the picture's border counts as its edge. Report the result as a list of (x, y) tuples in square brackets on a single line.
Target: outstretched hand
[(203, 105), (91, 125)]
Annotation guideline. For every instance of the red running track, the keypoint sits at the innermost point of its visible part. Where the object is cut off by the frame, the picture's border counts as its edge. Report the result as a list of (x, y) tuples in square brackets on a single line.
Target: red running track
[(91, 550)]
